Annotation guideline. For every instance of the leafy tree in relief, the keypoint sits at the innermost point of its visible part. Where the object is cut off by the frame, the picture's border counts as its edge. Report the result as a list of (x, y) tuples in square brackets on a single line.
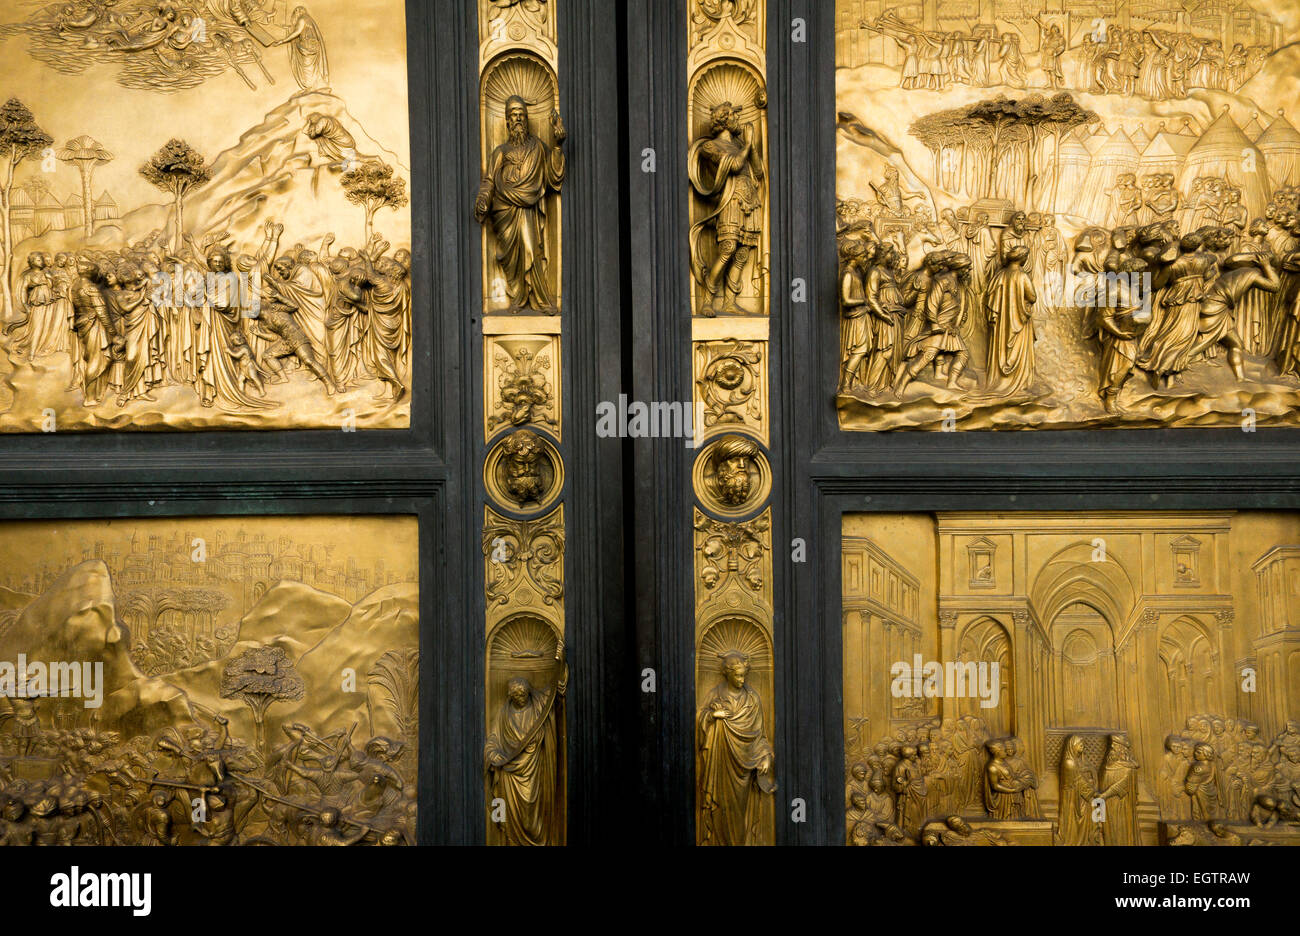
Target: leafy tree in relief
[(372, 185), (260, 677), (20, 138), (177, 169)]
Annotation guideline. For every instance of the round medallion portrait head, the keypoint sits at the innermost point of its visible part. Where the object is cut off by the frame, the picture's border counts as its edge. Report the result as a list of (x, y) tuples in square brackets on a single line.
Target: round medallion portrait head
[(523, 472), (732, 477)]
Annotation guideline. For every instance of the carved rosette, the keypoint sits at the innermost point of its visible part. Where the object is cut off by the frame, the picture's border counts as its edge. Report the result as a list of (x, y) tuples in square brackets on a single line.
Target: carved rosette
[(731, 386), (518, 207)]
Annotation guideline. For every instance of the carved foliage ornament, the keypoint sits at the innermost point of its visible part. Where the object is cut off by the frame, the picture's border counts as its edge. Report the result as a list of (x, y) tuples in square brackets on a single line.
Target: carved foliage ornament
[(732, 549), (730, 382), (524, 552)]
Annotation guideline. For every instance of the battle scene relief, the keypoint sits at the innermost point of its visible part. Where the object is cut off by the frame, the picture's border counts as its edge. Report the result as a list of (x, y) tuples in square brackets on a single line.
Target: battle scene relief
[(209, 681), (1071, 678), (204, 215), (1067, 213)]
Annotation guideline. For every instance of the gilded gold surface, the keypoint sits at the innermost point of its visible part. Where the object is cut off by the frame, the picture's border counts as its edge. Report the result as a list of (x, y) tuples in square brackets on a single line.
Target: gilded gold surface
[(518, 205), (735, 763), (727, 160), (209, 681), (729, 243), (205, 216), (1072, 678), (1067, 214), (521, 385), (526, 680)]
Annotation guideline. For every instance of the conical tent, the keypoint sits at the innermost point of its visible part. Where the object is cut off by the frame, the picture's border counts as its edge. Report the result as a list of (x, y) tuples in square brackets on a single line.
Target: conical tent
[(1224, 152), (1075, 159), (1254, 129), (1166, 153), (1113, 160), (1280, 144)]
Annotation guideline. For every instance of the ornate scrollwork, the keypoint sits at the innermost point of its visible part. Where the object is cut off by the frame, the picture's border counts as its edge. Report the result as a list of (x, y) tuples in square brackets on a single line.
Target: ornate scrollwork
[(730, 378), (732, 549), (524, 552)]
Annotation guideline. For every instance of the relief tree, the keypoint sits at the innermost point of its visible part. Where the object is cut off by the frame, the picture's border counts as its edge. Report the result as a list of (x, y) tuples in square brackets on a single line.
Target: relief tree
[(372, 185), (20, 138), (177, 169), (260, 677), (86, 154)]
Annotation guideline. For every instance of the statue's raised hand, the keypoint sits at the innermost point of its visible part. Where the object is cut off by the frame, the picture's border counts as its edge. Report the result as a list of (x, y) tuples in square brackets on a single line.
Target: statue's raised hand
[(557, 127)]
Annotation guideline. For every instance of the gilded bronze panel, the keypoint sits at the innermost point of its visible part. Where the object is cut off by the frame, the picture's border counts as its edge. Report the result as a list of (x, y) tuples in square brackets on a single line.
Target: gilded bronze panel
[(205, 216), (1067, 214), (209, 681), (526, 680), (1087, 678)]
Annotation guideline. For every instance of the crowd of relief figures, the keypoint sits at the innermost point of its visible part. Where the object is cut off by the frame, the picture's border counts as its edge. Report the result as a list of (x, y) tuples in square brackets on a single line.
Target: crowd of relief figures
[(952, 783), (220, 279), (1102, 678), (263, 694), (1086, 217)]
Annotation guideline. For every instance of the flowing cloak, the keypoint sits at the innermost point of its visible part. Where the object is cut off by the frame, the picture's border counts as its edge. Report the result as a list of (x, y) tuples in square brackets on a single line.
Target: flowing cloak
[(136, 324), (1168, 345), (910, 788), (344, 330), (855, 323), (1011, 297), (311, 300), (388, 328), (45, 327), (725, 177), (1074, 821), (311, 68), (1117, 780), (526, 781), (517, 178), (1000, 804), (332, 140), (1253, 310), (94, 330), (220, 372), (730, 752)]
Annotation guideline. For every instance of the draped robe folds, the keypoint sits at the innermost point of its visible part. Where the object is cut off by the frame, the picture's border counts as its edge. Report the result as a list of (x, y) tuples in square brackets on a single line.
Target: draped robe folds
[(1010, 297), (1118, 781), (1078, 787), (1001, 791), (91, 322), (310, 291), (45, 333), (1168, 345), (731, 750), (307, 55), (344, 331), (388, 329), (221, 373), (525, 737), (517, 179), (136, 323), (719, 169)]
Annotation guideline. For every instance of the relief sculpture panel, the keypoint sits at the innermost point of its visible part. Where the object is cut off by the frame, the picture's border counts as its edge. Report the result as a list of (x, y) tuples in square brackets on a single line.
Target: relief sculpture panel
[(205, 216), (201, 681), (1086, 694), (1067, 214), (518, 205)]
